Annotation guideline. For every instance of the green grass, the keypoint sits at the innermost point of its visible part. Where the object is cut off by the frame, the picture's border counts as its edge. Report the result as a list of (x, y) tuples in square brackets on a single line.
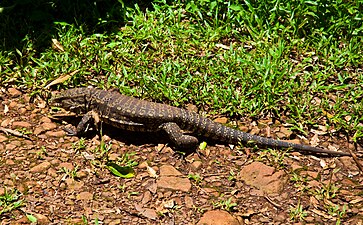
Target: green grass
[(296, 60), (10, 200)]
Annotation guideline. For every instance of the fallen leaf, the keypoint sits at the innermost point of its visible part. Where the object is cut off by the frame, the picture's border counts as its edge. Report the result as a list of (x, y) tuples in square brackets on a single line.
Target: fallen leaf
[(57, 45), (120, 171), (222, 46), (61, 79), (6, 109), (169, 204), (151, 172)]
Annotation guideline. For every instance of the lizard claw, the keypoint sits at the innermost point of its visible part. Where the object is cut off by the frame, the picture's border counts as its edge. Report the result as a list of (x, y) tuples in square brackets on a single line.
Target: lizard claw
[(70, 131)]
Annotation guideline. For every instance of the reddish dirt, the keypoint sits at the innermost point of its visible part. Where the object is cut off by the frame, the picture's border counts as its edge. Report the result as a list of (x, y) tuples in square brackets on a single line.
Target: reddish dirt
[(63, 181)]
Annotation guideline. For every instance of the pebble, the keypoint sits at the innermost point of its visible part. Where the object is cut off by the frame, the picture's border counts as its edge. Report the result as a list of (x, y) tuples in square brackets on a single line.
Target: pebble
[(174, 183), (217, 217), (168, 170), (40, 167), (85, 196), (263, 177), (21, 124), (14, 92), (60, 133)]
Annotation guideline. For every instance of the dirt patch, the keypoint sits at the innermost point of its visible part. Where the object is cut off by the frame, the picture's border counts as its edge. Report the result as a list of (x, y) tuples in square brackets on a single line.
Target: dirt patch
[(65, 180)]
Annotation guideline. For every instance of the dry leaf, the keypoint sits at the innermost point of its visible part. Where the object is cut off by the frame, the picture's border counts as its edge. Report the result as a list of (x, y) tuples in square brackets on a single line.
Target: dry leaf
[(151, 172), (61, 79), (6, 109), (315, 140), (57, 46), (169, 204), (322, 163), (222, 46)]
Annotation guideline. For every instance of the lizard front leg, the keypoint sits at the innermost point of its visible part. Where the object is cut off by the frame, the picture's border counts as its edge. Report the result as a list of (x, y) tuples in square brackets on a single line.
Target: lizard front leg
[(86, 121), (177, 136)]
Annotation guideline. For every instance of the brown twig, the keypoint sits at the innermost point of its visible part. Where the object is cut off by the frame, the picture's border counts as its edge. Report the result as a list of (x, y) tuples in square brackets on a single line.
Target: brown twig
[(272, 202), (355, 158), (8, 131)]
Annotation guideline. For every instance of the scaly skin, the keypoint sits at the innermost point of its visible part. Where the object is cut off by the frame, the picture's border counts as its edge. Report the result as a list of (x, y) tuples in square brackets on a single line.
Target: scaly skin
[(133, 114)]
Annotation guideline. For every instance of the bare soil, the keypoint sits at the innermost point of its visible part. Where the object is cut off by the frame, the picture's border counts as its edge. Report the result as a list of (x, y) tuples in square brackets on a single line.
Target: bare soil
[(64, 180)]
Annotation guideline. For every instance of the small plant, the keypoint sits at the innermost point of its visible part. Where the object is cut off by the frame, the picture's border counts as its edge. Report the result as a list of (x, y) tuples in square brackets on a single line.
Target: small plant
[(24, 131), (42, 151), (195, 177), (232, 175), (31, 218), (337, 212), (70, 173), (298, 213), (10, 200), (227, 204), (79, 145)]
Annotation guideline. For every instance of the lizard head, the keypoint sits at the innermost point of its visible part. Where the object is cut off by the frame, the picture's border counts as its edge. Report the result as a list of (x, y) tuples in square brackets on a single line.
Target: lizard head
[(74, 100)]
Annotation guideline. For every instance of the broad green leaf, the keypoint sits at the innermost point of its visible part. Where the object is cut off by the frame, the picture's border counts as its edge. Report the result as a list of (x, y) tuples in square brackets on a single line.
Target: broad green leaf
[(31, 218), (202, 145), (120, 171)]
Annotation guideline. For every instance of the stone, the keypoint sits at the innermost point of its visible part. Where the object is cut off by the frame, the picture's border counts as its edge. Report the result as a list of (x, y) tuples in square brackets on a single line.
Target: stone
[(40, 167), (41, 219), (263, 177), (222, 120), (174, 183), (168, 170), (14, 92), (147, 212), (21, 124), (85, 196), (3, 138), (60, 133), (217, 217)]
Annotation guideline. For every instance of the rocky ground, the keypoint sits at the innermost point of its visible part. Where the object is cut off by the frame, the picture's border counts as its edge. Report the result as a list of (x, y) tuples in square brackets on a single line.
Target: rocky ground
[(62, 179)]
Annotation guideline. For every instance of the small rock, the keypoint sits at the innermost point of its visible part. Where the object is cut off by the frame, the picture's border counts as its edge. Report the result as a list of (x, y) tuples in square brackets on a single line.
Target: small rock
[(60, 133), (196, 165), (81, 174), (40, 167), (189, 202), (174, 183), (74, 185), (3, 138), (85, 196), (263, 177), (286, 132), (10, 147), (21, 124), (45, 119), (67, 165), (217, 217), (192, 108), (38, 130), (222, 120), (168, 170), (9, 162), (14, 92), (41, 219), (22, 110), (147, 212), (146, 197), (5, 122), (49, 126), (13, 105)]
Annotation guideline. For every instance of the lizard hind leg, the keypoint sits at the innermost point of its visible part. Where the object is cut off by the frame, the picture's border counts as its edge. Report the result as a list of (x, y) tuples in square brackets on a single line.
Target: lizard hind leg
[(176, 135)]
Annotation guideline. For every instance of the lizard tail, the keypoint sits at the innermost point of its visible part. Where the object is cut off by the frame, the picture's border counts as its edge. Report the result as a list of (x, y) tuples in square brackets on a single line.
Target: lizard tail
[(219, 132)]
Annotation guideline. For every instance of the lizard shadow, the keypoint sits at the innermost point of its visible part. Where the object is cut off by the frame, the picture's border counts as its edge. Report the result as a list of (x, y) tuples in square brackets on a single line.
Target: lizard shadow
[(129, 137)]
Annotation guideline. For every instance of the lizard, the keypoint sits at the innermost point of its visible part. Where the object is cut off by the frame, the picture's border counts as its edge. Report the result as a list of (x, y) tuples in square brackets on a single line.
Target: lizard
[(133, 114)]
